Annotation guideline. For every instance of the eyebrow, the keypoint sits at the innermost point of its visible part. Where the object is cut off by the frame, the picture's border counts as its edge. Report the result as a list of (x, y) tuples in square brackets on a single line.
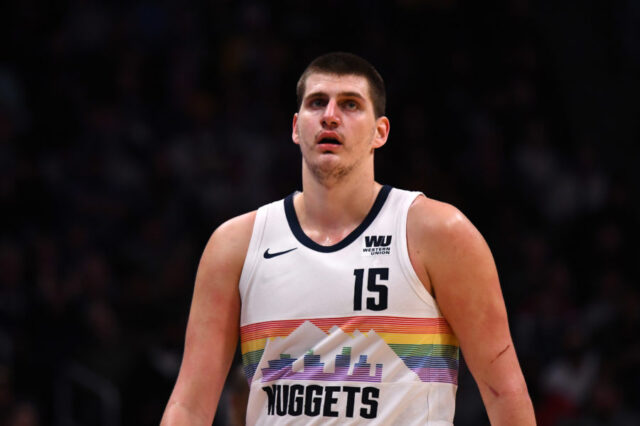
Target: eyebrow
[(342, 94)]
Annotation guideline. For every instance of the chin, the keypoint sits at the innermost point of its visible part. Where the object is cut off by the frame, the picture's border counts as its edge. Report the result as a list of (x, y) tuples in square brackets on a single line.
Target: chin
[(329, 170)]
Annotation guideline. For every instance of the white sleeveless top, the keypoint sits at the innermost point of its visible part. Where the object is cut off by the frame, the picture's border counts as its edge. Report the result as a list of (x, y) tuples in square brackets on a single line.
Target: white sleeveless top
[(343, 334)]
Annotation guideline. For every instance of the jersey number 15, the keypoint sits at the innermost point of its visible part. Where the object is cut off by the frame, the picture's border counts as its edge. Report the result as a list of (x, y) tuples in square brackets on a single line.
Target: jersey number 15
[(372, 303)]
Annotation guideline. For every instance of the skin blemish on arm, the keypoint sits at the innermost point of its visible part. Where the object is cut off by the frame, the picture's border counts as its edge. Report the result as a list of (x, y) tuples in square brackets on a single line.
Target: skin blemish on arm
[(493, 391), (500, 354)]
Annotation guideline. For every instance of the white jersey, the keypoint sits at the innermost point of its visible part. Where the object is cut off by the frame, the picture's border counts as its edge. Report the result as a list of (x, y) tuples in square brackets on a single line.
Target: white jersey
[(343, 334)]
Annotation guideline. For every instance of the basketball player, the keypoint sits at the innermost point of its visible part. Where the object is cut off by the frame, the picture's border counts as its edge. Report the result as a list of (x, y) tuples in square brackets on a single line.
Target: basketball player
[(350, 298)]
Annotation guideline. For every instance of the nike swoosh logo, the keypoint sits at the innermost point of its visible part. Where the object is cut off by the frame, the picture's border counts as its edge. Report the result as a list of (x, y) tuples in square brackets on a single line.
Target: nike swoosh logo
[(268, 255)]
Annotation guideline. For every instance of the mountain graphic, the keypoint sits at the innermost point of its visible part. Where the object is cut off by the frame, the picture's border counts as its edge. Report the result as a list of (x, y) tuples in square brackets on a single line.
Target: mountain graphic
[(308, 353)]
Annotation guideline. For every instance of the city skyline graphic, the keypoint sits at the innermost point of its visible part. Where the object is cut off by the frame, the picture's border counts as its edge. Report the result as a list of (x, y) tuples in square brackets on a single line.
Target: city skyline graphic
[(311, 350), (314, 369)]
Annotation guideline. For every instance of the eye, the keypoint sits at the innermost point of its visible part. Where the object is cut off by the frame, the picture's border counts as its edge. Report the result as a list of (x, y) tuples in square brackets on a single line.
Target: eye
[(351, 105), (317, 103)]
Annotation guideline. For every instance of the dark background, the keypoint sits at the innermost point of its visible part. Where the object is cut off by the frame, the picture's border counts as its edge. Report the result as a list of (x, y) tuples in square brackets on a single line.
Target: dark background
[(130, 130)]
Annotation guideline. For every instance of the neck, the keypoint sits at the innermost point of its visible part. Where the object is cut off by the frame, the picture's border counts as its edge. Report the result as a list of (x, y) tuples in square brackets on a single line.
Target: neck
[(329, 211)]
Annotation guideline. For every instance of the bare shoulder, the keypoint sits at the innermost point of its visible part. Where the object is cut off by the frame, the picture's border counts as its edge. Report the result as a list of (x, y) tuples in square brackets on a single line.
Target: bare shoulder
[(437, 223), (239, 227), (441, 240), (230, 241)]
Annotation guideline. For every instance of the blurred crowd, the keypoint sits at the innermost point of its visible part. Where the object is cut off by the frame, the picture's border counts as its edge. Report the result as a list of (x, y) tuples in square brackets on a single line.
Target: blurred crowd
[(130, 130)]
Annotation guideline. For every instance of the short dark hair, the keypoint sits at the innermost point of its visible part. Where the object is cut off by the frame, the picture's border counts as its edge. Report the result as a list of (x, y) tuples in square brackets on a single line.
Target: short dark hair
[(343, 63)]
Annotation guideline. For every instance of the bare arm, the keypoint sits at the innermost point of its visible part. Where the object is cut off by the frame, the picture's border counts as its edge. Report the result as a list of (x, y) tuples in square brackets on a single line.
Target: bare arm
[(456, 265), (212, 331)]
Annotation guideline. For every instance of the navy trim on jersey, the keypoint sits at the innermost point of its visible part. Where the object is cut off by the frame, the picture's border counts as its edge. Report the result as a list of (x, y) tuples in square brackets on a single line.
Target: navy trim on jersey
[(295, 227)]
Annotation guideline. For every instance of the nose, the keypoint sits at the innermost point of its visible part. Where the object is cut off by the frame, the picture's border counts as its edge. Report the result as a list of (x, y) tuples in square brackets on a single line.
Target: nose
[(331, 116)]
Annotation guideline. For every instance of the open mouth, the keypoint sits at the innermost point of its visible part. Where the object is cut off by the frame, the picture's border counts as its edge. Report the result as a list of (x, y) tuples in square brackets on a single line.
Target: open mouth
[(329, 141)]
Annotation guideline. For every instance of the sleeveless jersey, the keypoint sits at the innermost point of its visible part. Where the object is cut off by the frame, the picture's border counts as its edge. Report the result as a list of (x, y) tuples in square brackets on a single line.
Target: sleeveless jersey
[(343, 334)]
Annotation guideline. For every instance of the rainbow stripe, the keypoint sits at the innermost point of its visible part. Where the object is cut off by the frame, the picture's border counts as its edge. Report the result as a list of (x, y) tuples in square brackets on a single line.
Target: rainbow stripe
[(426, 345)]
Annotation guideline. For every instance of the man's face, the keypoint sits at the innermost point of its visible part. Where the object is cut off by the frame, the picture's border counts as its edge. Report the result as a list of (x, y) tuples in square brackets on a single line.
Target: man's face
[(336, 127)]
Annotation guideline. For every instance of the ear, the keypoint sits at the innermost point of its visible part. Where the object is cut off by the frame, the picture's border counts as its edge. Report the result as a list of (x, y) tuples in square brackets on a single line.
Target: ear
[(383, 126), (294, 132)]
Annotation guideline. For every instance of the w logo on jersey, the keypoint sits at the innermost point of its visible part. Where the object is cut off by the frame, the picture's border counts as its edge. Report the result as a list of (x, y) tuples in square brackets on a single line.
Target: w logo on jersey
[(377, 240), (376, 244)]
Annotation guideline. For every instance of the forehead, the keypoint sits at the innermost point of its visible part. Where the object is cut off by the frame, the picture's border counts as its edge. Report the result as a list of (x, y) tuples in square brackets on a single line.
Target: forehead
[(334, 84)]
